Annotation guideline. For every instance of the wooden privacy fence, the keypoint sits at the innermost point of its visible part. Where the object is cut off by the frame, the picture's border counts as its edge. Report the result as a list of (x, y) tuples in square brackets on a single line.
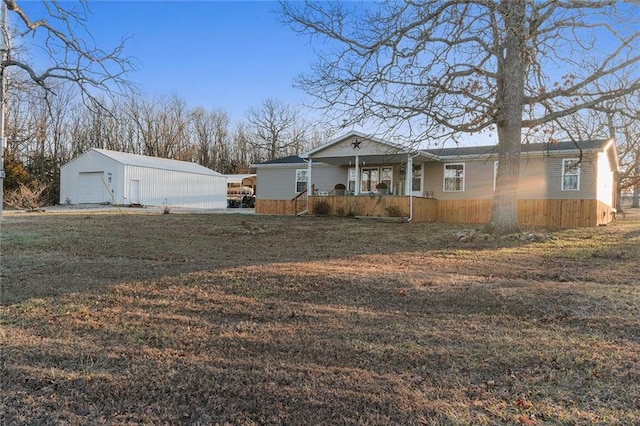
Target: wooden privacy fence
[(539, 213), (296, 205)]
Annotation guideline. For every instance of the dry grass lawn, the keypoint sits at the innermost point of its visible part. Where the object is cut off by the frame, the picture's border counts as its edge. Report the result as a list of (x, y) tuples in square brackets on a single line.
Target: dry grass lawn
[(111, 318)]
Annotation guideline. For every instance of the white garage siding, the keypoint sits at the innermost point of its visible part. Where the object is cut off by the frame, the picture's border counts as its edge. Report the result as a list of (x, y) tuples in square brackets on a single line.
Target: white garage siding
[(100, 175), (157, 187)]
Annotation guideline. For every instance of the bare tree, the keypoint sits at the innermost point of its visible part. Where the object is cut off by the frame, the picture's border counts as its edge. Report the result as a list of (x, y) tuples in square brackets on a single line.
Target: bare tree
[(273, 128), (242, 154), (618, 119), (67, 42), (90, 128), (435, 69), (161, 127), (629, 153), (623, 122), (70, 55), (210, 133)]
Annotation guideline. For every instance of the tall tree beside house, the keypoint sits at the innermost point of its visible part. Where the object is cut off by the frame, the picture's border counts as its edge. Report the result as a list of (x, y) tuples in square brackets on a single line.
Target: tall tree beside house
[(438, 69)]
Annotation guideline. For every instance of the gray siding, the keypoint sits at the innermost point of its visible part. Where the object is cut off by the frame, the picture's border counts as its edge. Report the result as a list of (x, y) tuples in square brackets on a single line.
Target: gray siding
[(540, 178), (325, 178), (279, 183), (552, 168)]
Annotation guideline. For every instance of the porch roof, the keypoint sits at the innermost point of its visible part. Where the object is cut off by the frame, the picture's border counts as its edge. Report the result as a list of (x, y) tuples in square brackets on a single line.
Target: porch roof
[(400, 158), (343, 151)]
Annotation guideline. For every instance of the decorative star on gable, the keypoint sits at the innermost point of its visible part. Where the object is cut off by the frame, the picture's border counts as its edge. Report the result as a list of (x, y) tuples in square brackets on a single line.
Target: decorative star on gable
[(356, 144)]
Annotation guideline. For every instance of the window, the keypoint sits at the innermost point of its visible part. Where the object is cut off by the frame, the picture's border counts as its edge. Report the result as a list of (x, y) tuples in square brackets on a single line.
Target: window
[(370, 178), (454, 177), (386, 177), (301, 180), (416, 177), (351, 187), (495, 174), (570, 174)]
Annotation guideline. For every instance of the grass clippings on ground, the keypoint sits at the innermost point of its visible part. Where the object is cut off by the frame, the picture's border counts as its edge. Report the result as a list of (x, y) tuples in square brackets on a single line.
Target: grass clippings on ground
[(247, 320)]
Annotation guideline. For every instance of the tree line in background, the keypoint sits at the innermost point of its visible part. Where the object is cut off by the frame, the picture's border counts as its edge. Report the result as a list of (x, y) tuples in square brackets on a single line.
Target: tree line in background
[(46, 129), (419, 72)]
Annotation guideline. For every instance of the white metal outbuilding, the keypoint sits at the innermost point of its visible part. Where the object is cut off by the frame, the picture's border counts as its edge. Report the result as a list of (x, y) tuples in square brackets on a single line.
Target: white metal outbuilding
[(103, 176)]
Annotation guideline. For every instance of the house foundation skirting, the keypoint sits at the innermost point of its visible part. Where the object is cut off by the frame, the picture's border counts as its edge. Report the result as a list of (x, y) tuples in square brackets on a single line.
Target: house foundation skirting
[(539, 213)]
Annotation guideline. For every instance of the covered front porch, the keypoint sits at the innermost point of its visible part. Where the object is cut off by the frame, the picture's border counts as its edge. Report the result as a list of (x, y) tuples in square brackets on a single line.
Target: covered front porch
[(364, 167)]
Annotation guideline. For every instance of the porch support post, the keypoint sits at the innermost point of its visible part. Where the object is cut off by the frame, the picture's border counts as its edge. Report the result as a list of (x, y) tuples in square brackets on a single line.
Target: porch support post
[(357, 187), (409, 176), (309, 182)]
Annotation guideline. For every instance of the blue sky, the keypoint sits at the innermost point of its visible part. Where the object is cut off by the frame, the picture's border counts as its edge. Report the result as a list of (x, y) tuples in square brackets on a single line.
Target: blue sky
[(228, 55)]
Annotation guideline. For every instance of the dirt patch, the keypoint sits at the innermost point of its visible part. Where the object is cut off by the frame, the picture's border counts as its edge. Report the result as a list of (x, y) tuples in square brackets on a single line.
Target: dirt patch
[(110, 318)]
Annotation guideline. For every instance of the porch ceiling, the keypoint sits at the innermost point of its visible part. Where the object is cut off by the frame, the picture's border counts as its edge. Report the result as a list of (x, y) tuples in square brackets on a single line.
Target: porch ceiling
[(370, 159)]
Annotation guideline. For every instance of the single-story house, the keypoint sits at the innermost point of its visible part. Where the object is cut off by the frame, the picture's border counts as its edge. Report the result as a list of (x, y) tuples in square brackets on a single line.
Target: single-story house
[(111, 177), (562, 184)]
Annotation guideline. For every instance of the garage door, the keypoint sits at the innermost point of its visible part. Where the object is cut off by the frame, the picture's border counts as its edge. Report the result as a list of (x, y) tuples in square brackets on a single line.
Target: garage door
[(91, 187)]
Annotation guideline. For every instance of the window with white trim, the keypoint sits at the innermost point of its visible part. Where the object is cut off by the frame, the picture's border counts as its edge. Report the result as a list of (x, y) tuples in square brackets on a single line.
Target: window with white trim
[(495, 174), (453, 177), (386, 177), (416, 177), (351, 187), (570, 174), (301, 180)]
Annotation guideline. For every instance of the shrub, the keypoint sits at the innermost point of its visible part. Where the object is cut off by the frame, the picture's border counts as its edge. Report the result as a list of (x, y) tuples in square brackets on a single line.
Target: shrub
[(321, 207), (395, 211), (166, 207), (28, 197)]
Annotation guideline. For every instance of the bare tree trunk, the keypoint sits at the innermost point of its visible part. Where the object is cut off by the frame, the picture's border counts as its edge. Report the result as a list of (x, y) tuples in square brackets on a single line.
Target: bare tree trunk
[(636, 189), (509, 99)]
